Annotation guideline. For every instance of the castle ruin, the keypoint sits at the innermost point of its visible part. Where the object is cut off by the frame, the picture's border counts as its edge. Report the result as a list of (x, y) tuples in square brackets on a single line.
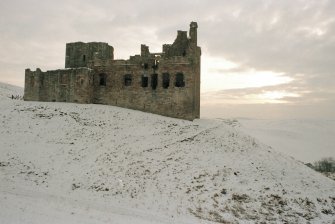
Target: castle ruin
[(166, 83)]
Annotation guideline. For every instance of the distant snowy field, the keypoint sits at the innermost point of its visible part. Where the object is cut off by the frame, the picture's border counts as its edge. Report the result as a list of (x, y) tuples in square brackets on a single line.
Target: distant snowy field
[(72, 163), (305, 140)]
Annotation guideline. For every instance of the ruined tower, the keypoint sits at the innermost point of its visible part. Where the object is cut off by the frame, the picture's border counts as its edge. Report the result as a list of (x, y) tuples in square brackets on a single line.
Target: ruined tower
[(78, 54), (165, 83)]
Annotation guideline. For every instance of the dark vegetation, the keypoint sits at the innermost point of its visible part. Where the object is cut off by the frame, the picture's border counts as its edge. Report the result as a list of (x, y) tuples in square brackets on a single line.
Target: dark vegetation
[(325, 166)]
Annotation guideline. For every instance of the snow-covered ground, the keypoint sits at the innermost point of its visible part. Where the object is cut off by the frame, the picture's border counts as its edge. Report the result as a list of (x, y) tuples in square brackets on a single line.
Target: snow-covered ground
[(72, 163)]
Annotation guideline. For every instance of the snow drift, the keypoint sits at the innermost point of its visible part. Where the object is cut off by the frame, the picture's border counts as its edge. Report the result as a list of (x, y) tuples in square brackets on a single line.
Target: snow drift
[(71, 163)]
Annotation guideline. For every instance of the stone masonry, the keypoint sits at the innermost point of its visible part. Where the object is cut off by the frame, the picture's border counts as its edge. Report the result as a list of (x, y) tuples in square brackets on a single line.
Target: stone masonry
[(166, 83)]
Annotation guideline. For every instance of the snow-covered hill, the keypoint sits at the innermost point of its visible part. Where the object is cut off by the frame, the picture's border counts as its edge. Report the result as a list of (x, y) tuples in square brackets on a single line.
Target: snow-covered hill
[(7, 91), (72, 163)]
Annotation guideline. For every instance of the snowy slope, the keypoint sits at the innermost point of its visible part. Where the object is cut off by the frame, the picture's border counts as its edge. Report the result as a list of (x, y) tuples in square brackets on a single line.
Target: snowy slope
[(7, 90), (306, 140), (71, 163)]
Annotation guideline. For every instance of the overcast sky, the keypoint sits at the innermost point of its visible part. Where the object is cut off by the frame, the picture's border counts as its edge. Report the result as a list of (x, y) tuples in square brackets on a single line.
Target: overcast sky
[(264, 59)]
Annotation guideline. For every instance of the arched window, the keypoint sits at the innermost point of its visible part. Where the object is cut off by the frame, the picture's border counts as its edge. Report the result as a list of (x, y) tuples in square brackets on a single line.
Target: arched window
[(180, 80), (102, 79), (166, 80)]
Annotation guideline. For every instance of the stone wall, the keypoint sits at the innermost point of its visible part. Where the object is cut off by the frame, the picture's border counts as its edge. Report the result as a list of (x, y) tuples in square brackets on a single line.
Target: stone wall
[(166, 100), (63, 85), (166, 83)]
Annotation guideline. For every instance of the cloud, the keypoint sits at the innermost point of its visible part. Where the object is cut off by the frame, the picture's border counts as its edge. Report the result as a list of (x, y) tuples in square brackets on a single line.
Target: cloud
[(281, 36), (294, 38)]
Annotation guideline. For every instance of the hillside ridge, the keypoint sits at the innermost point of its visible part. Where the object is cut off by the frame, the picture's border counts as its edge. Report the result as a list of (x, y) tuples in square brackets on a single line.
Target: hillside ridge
[(160, 168)]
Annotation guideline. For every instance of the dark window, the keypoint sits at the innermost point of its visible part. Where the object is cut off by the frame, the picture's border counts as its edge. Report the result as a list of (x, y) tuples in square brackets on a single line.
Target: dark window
[(102, 79), (145, 66), (180, 80), (84, 57), (127, 80), (81, 81), (145, 81), (154, 81), (166, 80)]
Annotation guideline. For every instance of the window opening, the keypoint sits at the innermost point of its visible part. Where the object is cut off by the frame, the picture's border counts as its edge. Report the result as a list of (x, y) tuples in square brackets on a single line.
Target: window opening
[(154, 81), (127, 80), (180, 80), (166, 80), (155, 65), (145, 80), (102, 79)]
